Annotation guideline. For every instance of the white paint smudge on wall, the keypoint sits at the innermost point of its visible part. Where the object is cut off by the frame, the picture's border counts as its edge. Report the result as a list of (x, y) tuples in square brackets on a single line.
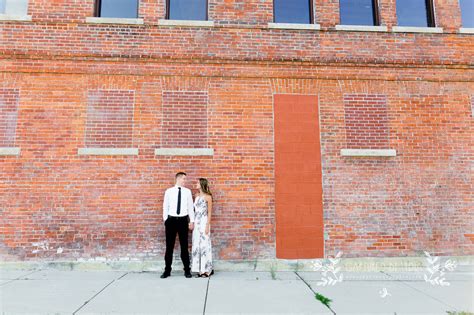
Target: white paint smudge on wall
[(44, 245)]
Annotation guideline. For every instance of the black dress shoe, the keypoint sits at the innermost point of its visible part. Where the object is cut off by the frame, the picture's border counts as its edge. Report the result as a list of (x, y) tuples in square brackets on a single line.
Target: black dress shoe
[(187, 274), (165, 275)]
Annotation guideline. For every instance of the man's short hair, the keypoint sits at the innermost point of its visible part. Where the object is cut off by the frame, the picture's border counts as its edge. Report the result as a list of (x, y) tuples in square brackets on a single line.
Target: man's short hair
[(179, 174)]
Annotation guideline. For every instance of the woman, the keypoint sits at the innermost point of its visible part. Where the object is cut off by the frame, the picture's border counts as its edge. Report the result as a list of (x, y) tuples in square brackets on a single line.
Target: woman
[(201, 250)]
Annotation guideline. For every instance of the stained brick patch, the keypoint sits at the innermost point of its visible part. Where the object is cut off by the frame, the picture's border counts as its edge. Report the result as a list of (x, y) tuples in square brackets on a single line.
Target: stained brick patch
[(184, 119), (109, 118), (9, 99), (366, 121)]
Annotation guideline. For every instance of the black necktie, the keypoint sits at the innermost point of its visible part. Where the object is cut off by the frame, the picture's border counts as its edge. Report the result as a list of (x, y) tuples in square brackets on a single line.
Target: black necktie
[(179, 201)]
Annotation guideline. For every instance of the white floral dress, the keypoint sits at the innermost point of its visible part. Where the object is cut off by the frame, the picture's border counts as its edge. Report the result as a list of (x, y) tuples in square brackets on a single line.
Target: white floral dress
[(201, 250)]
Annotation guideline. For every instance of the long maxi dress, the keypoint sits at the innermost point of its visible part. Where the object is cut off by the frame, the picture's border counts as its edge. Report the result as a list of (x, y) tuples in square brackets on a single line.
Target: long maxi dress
[(201, 248)]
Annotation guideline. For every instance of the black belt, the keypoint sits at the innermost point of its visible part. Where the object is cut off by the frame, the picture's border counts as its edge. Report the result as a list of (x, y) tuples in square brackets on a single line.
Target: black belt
[(173, 217)]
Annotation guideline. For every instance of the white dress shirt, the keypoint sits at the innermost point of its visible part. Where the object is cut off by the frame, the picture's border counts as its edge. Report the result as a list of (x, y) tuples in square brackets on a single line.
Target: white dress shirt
[(170, 203)]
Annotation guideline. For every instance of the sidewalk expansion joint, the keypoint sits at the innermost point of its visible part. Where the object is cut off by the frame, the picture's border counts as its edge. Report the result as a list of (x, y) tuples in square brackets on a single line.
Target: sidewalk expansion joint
[(95, 295), (314, 292), (416, 289), (205, 299), (19, 278)]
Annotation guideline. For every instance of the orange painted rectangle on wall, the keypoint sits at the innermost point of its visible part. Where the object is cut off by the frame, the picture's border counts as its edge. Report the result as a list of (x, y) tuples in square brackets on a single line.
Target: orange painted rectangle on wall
[(298, 181)]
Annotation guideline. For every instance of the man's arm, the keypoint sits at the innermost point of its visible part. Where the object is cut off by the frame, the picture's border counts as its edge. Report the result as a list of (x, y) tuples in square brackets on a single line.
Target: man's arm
[(191, 207), (165, 206)]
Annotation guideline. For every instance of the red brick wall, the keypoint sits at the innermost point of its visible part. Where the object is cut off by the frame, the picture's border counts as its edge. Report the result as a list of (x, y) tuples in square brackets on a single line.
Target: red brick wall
[(241, 12), (366, 121), (109, 119), (8, 116), (110, 206), (184, 119)]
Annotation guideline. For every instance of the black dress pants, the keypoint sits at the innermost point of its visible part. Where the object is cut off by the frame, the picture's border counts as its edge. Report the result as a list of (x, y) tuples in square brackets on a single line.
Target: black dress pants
[(173, 226)]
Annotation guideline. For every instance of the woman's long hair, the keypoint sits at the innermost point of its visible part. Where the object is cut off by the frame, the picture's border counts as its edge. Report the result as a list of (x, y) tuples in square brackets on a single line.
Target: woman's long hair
[(205, 186)]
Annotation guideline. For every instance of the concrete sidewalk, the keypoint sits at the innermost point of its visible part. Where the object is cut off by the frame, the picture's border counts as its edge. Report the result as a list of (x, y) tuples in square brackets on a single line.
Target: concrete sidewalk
[(51, 291)]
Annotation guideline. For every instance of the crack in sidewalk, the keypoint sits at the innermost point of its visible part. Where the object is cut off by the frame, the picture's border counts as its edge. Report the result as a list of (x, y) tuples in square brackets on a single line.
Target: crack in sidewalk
[(19, 277), (89, 300), (314, 292)]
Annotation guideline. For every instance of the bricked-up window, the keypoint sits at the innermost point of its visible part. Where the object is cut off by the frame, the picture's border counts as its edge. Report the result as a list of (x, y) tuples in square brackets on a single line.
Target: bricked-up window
[(109, 118), (467, 12), (186, 10), (415, 13), (472, 106), (366, 121), (359, 12), (292, 11), (117, 8), (14, 7), (184, 119), (8, 116)]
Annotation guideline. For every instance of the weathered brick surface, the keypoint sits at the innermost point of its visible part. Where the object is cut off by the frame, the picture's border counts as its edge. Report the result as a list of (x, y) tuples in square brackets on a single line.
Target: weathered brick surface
[(109, 119), (8, 116), (184, 119), (366, 121), (110, 206)]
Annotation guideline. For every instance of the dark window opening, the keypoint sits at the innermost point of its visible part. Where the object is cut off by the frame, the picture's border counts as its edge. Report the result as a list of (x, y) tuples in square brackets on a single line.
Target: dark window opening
[(418, 13), (293, 11), (358, 12), (467, 13), (117, 8), (195, 10)]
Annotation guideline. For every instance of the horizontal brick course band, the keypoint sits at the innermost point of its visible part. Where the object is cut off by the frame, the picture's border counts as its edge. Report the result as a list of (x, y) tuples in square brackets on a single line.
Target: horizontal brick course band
[(155, 42)]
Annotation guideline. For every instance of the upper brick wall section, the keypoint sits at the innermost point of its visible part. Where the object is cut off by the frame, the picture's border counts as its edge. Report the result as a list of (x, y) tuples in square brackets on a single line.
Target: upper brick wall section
[(241, 12), (60, 10), (236, 12), (241, 32), (82, 40)]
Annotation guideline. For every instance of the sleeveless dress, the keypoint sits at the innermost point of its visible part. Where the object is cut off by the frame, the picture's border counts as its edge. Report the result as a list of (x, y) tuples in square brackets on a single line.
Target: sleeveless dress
[(201, 248)]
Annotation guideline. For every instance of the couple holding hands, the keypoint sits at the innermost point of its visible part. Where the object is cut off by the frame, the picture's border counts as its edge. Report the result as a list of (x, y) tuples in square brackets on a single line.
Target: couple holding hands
[(181, 214)]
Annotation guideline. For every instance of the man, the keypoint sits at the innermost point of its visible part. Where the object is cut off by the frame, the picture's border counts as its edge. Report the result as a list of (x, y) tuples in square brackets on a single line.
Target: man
[(178, 216)]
